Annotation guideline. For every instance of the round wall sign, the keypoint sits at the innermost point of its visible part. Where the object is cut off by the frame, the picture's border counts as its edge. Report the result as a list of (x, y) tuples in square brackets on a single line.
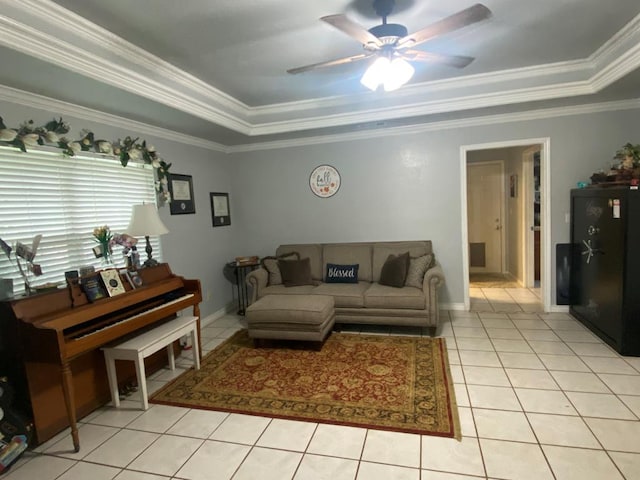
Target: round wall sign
[(324, 181)]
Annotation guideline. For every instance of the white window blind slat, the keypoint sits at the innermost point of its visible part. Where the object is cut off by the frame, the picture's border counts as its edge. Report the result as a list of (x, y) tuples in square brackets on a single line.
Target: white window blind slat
[(64, 199)]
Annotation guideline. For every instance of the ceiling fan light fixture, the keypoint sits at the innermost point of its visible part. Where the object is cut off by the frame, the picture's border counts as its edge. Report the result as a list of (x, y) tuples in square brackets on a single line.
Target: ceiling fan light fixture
[(376, 73), (399, 72), (390, 73)]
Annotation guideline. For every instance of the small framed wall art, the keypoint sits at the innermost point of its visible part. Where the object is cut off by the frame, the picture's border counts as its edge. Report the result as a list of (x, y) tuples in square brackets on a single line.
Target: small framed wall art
[(324, 181), (181, 189), (220, 212)]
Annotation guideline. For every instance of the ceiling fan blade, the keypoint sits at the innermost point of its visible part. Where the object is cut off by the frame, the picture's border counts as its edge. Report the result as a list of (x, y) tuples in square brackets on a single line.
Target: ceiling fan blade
[(458, 61), (331, 63), (456, 21), (351, 28)]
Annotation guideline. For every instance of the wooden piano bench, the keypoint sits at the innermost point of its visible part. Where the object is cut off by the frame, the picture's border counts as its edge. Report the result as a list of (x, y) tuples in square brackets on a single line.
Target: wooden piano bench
[(140, 347)]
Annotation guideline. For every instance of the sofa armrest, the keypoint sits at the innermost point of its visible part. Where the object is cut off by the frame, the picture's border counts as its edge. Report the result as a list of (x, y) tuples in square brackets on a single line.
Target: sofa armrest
[(433, 280), (257, 280)]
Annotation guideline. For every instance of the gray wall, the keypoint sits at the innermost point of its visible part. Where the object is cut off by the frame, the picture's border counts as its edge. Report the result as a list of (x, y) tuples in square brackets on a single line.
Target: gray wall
[(192, 247), (407, 187), (403, 187)]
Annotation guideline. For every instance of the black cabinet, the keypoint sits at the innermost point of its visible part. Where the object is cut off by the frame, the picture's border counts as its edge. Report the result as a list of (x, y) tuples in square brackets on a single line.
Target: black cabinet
[(605, 264)]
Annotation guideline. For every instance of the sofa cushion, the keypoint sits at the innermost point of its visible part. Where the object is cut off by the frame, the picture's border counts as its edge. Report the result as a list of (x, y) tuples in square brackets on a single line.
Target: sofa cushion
[(295, 272), (282, 290), (350, 254), (313, 251), (344, 294), (341, 273), (382, 250), (417, 268), (382, 296), (394, 270), (270, 264)]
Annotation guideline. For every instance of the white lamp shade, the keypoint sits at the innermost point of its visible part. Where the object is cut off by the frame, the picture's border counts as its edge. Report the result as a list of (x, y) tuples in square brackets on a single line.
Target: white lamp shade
[(145, 221), (376, 73), (399, 72), (390, 73)]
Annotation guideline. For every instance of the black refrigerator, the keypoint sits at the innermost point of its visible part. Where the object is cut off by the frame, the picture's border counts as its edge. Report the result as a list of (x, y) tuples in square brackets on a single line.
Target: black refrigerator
[(605, 264)]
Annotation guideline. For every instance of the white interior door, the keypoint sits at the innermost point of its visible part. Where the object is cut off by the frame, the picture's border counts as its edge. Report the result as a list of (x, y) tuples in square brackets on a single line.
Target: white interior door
[(485, 193)]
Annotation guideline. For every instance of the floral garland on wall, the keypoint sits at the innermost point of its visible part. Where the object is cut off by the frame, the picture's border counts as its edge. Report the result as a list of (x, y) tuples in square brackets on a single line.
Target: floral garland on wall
[(52, 134)]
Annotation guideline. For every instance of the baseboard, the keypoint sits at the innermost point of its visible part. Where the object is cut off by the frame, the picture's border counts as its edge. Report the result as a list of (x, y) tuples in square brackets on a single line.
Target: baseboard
[(215, 315), (559, 308), (452, 306)]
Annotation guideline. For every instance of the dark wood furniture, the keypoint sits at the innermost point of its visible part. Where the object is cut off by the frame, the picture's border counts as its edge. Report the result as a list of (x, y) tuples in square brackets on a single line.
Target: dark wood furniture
[(605, 261), (51, 348), (240, 270)]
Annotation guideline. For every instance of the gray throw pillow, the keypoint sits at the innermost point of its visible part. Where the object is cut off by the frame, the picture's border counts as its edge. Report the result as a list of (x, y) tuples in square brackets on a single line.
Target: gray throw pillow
[(270, 264), (295, 272), (418, 266), (394, 270)]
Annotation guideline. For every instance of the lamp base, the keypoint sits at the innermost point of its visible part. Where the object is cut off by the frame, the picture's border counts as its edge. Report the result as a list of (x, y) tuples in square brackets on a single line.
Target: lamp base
[(150, 262)]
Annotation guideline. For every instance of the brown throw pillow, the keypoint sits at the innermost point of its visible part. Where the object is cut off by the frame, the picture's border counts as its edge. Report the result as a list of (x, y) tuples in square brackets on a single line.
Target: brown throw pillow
[(270, 264), (394, 270), (295, 272)]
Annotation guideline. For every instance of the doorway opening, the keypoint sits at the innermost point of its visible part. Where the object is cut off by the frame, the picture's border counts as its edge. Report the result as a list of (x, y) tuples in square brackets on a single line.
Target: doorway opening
[(506, 245)]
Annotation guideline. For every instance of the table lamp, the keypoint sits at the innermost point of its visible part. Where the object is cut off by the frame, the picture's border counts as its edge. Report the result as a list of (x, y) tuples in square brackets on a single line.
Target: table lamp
[(145, 221)]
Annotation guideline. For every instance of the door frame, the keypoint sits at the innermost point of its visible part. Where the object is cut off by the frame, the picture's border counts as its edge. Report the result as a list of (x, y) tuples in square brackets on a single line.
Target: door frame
[(528, 273), (545, 213), (503, 209)]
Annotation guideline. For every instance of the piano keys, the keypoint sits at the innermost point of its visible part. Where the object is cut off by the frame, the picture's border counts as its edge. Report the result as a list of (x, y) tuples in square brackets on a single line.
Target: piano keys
[(51, 349)]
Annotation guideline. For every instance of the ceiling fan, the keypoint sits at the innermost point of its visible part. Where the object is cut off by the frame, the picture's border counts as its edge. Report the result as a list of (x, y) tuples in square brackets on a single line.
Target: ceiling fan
[(392, 46)]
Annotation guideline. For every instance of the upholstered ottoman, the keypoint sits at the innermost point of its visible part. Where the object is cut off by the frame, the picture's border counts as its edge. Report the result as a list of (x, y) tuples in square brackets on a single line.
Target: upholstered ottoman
[(291, 317)]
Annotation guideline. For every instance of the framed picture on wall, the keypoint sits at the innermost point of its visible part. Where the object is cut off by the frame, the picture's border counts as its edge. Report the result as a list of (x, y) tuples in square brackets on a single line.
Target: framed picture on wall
[(513, 186), (181, 189), (220, 212)]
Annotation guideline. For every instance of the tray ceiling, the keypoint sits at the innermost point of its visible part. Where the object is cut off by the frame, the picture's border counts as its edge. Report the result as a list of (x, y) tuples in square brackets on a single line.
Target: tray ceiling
[(216, 70)]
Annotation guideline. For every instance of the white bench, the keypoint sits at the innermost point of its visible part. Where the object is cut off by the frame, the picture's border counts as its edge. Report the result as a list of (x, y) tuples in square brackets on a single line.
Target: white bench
[(140, 347)]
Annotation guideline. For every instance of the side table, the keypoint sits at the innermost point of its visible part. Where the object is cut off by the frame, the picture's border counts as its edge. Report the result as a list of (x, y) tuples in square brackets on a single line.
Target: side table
[(241, 271)]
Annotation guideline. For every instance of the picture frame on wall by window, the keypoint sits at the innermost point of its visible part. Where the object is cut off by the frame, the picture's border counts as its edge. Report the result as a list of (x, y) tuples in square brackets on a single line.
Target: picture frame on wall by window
[(181, 189), (220, 211)]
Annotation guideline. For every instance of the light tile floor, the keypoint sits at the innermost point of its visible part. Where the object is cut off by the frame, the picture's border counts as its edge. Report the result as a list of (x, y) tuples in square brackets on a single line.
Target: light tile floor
[(539, 397)]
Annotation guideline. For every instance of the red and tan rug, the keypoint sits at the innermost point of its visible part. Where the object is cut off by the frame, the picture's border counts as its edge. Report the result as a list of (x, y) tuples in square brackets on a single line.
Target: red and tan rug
[(381, 382)]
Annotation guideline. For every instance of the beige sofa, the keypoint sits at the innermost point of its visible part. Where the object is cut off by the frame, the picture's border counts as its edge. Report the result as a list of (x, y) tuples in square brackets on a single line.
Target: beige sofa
[(365, 302)]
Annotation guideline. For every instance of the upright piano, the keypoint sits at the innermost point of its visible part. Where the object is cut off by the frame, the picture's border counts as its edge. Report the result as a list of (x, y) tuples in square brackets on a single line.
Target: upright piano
[(50, 348)]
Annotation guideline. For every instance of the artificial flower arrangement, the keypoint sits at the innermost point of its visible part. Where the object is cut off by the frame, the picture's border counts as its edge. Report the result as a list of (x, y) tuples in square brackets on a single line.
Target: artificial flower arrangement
[(52, 133), (625, 168), (106, 239)]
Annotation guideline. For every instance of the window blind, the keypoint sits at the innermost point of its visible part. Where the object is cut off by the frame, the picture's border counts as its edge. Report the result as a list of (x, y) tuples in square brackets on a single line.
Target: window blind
[(64, 199)]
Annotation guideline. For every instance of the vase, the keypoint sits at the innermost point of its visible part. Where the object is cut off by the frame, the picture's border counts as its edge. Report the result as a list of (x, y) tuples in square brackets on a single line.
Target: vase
[(107, 254)]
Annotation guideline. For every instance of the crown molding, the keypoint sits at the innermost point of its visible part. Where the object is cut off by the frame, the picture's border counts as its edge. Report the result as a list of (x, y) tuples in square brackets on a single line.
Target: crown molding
[(426, 88), (95, 34), (46, 47), (443, 125), (48, 31), (430, 107), (33, 100)]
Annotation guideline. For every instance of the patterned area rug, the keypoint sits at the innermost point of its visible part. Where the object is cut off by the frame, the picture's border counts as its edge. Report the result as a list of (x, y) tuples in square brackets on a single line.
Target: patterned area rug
[(381, 382)]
